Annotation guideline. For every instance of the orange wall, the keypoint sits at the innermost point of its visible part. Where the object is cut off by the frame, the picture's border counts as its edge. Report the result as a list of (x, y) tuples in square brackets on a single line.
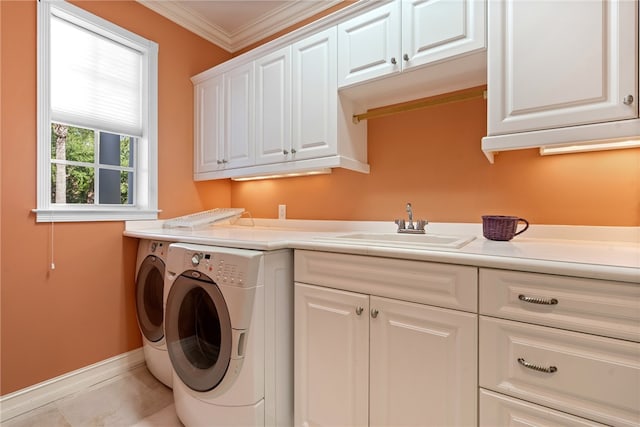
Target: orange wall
[(83, 311), (432, 158), (54, 322)]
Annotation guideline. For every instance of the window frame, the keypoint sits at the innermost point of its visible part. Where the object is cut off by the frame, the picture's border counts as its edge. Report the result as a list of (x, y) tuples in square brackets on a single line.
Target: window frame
[(145, 205)]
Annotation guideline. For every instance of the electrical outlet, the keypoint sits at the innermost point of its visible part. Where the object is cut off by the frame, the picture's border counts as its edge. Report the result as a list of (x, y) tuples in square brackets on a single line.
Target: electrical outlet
[(282, 211)]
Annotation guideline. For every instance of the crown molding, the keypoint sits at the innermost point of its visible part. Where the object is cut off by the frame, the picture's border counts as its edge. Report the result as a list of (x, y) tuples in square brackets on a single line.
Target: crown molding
[(252, 32)]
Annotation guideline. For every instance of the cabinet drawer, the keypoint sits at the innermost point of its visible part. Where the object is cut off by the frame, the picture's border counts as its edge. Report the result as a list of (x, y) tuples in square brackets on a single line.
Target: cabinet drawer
[(595, 306), (596, 378), (499, 410), (443, 285)]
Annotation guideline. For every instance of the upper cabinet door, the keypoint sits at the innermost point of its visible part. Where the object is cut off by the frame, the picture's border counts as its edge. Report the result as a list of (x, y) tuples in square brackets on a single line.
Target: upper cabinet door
[(369, 45), (315, 101), (273, 107), (209, 118), (434, 30), (561, 63), (239, 125)]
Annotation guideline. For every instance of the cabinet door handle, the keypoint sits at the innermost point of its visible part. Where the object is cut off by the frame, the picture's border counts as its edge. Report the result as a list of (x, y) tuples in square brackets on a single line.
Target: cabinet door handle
[(219, 162), (374, 313), (405, 57), (393, 60), (285, 152), (359, 310), (628, 100), (549, 370), (293, 151), (536, 300)]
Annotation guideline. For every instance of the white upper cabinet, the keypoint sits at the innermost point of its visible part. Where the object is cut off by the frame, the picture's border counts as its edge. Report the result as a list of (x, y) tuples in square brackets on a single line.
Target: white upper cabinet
[(277, 109), (273, 106), (435, 30), (561, 72), (278, 113), (238, 112), (369, 45), (224, 121), (315, 96), (209, 125), (407, 33)]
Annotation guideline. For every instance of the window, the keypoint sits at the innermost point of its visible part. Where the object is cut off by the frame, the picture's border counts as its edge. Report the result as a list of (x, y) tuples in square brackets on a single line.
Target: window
[(97, 118)]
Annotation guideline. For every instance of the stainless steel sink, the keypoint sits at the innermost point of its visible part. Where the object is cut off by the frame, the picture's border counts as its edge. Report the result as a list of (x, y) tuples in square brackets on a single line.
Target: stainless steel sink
[(411, 241)]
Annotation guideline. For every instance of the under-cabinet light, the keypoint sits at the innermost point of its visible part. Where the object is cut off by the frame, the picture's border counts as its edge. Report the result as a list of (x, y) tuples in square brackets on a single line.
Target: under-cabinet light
[(284, 175), (596, 146)]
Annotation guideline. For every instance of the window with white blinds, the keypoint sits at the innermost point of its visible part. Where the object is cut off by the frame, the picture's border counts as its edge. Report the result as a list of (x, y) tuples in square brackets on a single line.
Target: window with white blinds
[(97, 118)]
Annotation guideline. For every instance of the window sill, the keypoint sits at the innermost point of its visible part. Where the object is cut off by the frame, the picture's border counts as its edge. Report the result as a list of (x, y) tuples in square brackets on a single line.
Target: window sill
[(94, 214)]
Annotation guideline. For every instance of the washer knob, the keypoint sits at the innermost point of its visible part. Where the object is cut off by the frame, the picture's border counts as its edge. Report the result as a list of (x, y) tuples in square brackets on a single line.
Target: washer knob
[(195, 259)]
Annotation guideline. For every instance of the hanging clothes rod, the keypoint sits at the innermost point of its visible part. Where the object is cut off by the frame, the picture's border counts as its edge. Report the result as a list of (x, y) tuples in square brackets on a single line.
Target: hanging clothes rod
[(421, 103)]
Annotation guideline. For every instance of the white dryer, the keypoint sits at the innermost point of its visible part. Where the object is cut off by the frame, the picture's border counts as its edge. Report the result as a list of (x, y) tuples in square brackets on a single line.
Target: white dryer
[(228, 314), (150, 268)]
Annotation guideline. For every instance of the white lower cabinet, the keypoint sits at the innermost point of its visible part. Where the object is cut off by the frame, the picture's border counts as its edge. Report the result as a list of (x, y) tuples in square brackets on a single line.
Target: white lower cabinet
[(551, 346), (500, 410), (331, 345), (422, 365), (365, 360), (593, 377), (483, 347)]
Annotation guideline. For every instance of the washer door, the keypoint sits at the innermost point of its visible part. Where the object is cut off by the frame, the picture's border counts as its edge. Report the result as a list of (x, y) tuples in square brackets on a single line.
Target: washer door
[(198, 331), (149, 294)]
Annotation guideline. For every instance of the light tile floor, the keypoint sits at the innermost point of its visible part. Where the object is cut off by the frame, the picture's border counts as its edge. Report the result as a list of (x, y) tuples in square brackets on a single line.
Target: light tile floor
[(135, 398)]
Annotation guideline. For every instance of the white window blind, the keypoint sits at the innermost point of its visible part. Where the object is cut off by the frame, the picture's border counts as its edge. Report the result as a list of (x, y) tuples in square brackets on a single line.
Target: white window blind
[(95, 82)]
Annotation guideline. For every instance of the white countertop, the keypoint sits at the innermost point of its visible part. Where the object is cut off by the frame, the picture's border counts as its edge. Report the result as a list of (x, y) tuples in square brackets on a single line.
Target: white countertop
[(610, 253)]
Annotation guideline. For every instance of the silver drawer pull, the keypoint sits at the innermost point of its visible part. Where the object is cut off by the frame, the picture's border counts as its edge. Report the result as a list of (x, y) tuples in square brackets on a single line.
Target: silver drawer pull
[(536, 300), (550, 369), (359, 310)]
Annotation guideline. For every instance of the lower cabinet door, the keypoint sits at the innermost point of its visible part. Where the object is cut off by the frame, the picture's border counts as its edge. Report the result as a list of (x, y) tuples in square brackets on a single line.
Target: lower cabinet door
[(331, 368), (423, 365), (499, 410)]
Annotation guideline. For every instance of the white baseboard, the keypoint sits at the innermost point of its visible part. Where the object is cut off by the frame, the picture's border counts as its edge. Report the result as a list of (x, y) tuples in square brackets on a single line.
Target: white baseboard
[(35, 396)]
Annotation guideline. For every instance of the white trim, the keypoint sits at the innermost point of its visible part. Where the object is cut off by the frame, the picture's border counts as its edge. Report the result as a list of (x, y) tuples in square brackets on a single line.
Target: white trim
[(254, 31), (94, 214), (282, 168), (35, 396), (301, 33), (191, 21), (583, 134)]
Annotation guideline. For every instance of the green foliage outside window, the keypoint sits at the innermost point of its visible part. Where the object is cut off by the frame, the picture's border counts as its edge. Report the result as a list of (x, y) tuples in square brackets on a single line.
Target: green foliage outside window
[(78, 182)]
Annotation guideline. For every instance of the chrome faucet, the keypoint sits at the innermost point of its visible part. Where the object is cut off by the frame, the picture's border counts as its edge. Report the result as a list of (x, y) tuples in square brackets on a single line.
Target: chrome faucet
[(410, 213), (410, 228)]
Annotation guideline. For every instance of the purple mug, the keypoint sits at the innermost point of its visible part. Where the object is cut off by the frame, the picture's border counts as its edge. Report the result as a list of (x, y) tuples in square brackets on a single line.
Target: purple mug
[(501, 227)]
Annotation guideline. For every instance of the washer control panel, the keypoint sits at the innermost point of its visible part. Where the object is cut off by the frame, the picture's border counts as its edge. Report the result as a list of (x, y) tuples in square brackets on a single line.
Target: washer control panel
[(226, 266), (157, 247)]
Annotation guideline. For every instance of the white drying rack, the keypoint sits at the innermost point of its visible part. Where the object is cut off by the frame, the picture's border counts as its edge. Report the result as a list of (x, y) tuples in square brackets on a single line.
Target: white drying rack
[(202, 219)]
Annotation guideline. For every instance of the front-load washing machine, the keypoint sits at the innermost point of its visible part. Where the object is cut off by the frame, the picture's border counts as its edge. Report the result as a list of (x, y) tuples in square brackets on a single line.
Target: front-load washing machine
[(150, 268), (229, 332)]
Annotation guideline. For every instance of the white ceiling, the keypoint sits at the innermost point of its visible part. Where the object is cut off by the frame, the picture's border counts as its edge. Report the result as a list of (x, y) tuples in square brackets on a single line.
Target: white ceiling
[(235, 24)]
